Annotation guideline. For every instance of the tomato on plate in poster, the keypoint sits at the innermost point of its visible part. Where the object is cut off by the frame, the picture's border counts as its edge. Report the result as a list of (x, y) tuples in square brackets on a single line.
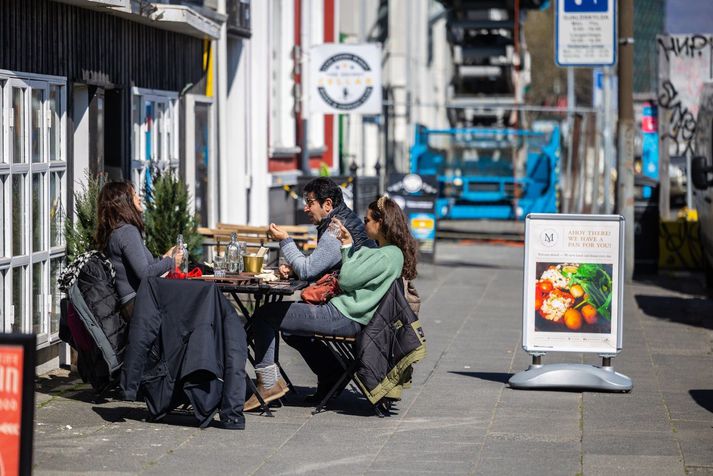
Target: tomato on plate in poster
[(573, 283)]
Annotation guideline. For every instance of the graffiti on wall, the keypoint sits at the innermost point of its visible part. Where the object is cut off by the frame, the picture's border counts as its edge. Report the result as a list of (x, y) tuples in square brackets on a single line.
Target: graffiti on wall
[(685, 64)]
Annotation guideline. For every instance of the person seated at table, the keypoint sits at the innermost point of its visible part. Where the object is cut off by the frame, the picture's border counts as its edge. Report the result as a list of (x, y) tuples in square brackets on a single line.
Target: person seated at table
[(119, 235), (323, 200), (365, 278)]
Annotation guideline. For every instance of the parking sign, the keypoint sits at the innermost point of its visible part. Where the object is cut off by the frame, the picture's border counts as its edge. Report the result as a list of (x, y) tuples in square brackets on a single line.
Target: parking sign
[(585, 33), (585, 6)]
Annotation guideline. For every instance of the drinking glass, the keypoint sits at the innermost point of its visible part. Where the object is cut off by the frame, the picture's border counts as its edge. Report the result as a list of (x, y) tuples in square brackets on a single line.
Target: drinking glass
[(219, 266), (334, 230)]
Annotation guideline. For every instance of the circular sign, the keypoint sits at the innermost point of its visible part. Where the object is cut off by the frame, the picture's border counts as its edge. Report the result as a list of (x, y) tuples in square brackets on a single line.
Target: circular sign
[(345, 81), (412, 183)]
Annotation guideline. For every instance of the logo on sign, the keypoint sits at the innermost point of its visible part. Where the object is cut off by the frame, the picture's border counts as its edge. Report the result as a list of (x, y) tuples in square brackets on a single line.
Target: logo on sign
[(423, 226), (585, 6), (345, 81), (548, 237)]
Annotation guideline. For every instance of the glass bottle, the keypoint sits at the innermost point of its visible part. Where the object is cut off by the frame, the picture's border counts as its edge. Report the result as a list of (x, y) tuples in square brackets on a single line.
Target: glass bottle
[(242, 246), (232, 254), (180, 246)]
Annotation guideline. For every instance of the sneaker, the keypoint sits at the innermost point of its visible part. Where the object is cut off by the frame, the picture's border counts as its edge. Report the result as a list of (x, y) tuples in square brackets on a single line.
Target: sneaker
[(237, 423), (268, 394)]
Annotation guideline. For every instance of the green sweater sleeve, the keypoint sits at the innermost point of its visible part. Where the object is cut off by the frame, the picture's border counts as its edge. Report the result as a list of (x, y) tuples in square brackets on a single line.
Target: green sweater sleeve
[(364, 279), (366, 264)]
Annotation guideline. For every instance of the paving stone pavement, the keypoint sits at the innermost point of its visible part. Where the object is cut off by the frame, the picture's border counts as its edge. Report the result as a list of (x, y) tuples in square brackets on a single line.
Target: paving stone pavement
[(460, 417)]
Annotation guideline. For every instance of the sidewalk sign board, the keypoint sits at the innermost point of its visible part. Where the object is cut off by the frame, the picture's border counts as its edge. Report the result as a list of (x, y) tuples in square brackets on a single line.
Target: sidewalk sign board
[(585, 32), (416, 195), (17, 402), (573, 288), (572, 300)]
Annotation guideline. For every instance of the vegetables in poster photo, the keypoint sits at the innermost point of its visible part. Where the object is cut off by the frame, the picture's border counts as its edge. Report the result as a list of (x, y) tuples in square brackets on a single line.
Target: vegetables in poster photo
[(576, 296), (597, 286)]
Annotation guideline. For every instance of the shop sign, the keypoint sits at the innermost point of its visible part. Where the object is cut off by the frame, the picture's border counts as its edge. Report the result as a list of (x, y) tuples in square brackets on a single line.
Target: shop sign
[(345, 79), (17, 370), (573, 285)]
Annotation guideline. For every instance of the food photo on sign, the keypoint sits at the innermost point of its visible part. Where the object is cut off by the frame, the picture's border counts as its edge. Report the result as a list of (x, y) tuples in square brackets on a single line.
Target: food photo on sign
[(573, 297)]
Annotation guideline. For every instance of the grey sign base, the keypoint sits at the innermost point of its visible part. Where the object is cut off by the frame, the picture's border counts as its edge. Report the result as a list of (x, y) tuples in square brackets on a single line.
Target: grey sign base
[(571, 376)]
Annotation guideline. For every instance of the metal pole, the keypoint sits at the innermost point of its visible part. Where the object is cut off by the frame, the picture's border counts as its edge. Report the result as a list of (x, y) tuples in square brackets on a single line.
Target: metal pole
[(305, 145), (306, 25), (355, 185), (609, 150), (625, 165), (571, 100)]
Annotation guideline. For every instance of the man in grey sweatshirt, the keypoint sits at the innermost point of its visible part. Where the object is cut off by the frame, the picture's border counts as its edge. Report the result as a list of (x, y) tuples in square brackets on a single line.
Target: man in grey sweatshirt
[(323, 201)]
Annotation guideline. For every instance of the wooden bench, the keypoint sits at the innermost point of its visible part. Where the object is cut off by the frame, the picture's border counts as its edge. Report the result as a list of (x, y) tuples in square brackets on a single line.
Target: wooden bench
[(255, 236)]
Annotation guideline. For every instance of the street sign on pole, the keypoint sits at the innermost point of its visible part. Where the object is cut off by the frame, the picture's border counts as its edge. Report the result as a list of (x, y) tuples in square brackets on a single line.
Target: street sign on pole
[(585, 33)]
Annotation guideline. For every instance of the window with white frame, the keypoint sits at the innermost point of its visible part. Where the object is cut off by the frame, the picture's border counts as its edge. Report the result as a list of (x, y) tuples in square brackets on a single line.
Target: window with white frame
[(155, 135), (33, 170), (282, 84)]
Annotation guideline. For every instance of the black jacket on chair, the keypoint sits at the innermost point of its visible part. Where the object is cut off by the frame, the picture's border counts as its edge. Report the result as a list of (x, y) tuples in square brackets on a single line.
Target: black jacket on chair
[(186, 345), (388, 346), (92, 324)]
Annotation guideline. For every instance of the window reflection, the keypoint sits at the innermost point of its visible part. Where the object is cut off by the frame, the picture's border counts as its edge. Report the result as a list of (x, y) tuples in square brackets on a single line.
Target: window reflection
[(54, 127), (37, 298), (202, 144), (18, 214), (56, 210), (36, 125), (17, 126), (56, 295), (18, 298), (37, 215)]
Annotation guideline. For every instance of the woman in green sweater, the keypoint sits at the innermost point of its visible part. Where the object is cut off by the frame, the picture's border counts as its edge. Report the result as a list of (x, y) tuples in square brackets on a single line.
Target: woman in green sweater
[(364, 279)]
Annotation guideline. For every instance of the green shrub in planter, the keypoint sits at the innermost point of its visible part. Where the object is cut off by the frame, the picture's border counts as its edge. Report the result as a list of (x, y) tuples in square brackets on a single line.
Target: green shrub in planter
[(79, 231), (168, 213)]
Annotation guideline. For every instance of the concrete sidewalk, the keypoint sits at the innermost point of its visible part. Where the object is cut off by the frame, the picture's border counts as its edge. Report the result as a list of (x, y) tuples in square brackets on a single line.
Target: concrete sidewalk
[(459, 417)]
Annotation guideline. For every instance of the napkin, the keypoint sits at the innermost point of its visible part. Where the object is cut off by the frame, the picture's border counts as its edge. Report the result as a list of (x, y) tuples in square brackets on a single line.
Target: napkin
[(177, 274)]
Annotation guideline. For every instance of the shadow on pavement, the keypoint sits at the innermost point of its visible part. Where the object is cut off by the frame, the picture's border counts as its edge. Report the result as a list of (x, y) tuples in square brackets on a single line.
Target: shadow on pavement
[(177, 417), (692, 311), (501, 377), (704, 398), (691, 283), (69, 385)]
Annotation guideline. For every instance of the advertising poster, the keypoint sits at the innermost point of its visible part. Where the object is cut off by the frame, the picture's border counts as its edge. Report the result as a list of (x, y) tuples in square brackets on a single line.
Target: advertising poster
[(573, 283), (16, 403)]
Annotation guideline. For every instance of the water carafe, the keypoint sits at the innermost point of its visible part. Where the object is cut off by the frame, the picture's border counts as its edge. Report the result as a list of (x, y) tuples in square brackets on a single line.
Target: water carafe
[(180, 246)]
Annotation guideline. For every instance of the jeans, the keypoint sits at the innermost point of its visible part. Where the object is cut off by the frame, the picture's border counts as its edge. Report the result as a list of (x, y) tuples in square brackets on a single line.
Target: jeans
[(301, 320)]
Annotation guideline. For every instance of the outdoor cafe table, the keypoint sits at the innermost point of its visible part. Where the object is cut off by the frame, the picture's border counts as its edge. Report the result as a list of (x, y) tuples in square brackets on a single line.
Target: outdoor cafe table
[(263, 292)]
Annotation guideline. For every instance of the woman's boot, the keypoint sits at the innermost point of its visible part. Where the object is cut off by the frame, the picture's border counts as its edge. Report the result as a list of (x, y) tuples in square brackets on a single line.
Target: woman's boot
[(270, 385)]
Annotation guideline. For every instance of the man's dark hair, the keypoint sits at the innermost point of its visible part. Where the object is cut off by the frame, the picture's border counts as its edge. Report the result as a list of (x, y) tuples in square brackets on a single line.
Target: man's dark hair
[(324, 188)]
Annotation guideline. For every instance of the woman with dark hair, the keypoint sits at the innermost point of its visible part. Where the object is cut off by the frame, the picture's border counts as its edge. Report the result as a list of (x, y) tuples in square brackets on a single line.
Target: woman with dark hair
[(119, 235), (365, 278)]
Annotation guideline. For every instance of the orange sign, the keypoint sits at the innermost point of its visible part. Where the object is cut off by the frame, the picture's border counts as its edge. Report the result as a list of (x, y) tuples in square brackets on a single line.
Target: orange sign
[(11, 362)]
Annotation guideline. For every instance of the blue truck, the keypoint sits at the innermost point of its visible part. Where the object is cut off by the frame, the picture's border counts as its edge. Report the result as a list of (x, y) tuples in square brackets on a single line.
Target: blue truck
[(490, 173)]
